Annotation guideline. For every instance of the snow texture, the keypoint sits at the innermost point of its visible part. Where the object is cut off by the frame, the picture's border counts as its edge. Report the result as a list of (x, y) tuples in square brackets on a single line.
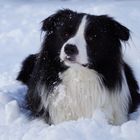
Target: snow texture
[(20, 35)]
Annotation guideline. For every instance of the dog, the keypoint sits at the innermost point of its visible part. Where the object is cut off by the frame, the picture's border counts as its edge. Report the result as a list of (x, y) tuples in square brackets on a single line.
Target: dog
[(80, 69)]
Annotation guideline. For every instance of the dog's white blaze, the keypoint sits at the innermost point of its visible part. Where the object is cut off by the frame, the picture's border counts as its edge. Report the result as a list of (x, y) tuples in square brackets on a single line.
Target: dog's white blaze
[(80, 42), (82, 92)]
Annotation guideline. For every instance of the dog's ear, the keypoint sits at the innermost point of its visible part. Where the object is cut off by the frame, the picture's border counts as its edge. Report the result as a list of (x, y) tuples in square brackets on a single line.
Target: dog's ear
[(121, 31), (118, 30), (48, 23), (56, 19)]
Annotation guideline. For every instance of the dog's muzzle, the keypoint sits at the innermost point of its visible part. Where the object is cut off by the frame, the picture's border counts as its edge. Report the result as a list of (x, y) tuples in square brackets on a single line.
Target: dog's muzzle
[(71, 52)]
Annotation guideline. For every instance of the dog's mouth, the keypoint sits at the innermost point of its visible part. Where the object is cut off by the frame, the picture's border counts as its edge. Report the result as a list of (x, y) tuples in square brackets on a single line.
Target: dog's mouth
[(71, 60)]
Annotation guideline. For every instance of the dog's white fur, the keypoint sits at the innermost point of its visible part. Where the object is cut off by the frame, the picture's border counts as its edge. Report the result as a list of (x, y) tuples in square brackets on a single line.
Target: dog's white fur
[(82, 93), (79, 41)]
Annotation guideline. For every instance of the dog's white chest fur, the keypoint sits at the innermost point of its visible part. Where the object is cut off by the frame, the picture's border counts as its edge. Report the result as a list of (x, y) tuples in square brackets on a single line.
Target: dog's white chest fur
[(81, 93)]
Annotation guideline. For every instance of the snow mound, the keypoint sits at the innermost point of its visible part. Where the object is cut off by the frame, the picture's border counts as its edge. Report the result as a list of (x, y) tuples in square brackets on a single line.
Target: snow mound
[(15, 124)]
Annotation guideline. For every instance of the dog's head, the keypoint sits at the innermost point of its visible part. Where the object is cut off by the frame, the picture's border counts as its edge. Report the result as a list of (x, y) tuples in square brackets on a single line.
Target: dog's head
[(83, 39)]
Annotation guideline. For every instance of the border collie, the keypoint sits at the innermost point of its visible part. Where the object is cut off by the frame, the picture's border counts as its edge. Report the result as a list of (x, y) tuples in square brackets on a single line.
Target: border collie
[(80, 69)]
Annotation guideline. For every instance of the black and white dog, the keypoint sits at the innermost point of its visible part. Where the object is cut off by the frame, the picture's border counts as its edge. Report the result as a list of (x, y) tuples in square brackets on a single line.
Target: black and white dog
[(80, 69)]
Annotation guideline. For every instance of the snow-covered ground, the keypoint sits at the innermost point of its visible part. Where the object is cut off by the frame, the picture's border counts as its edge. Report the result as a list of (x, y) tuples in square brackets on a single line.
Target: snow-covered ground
[(20, 23)]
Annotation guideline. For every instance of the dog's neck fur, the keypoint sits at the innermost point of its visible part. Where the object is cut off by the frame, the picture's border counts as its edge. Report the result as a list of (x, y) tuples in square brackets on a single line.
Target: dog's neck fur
[(81, 93)]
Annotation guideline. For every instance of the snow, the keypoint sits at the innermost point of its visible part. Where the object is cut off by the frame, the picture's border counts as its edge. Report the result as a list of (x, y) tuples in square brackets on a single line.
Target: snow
[(20, 35)]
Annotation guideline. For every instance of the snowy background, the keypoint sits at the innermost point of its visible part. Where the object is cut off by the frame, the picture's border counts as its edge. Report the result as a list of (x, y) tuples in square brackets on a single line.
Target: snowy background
[(20, 23)]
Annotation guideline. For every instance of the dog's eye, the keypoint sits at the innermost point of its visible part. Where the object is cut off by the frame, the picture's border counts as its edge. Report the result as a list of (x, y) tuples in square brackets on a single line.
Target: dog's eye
[(66, 34), (91, 37)]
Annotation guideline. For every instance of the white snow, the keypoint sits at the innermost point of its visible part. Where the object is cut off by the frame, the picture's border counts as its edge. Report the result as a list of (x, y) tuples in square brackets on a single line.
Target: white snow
[(20, 23)]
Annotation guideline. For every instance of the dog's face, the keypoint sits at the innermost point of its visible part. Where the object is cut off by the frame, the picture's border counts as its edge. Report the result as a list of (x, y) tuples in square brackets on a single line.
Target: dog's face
[(83, 39)]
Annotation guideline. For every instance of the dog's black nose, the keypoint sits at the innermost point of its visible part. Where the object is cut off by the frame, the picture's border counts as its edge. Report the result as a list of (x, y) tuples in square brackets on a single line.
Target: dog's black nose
[(71, 50)]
